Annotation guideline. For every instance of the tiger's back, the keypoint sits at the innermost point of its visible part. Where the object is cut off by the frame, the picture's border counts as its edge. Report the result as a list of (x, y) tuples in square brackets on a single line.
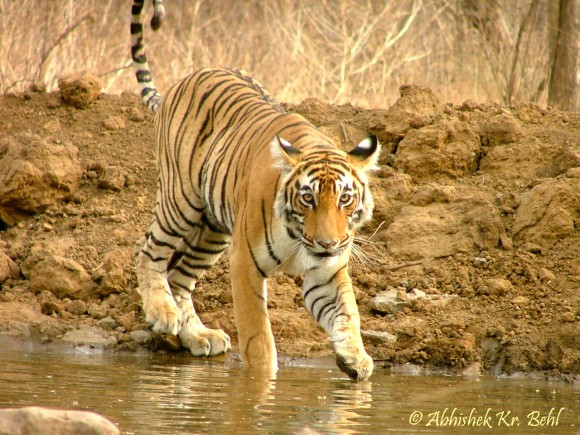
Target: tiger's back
[(236, 170), (218, 123)]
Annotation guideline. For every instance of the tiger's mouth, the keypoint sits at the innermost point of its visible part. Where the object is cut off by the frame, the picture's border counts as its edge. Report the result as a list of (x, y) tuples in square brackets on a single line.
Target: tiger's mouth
[(319, 250), (325, 254), (328, 253)]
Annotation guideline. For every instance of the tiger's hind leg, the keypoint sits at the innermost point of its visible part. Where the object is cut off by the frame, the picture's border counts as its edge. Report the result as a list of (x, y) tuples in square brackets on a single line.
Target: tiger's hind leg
[(194, 256)]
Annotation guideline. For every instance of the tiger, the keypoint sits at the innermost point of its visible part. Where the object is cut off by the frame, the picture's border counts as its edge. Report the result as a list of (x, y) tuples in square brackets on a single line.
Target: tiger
[(238, 172)]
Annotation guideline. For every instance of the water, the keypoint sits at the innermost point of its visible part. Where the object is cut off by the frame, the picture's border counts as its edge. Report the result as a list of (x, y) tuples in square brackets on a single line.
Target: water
[(159, 394)]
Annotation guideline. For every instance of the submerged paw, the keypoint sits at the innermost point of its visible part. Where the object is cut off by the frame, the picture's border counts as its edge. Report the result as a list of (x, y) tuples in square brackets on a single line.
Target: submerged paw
[(359, 368)]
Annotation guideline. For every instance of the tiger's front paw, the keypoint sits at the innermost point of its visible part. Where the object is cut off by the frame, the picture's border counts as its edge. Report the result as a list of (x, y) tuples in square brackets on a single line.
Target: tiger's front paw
[(162, 312), (358, 366), (202, 341)]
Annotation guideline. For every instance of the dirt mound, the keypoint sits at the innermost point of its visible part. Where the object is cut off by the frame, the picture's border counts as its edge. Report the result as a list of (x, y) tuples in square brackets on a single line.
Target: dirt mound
[(471, 262)]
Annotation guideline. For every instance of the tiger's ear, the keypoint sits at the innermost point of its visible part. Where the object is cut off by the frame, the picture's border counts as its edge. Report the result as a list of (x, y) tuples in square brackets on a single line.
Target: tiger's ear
[(283, 152), (366, 154)]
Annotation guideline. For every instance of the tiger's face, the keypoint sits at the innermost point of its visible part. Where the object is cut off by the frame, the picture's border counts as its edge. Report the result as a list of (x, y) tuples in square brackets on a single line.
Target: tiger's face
[(325, 196)]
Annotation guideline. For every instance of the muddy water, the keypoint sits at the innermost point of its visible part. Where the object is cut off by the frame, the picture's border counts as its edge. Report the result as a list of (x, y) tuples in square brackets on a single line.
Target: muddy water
[(177, 394)]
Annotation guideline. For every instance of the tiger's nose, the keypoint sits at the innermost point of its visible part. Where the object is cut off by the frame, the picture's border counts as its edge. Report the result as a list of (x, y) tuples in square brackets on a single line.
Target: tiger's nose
[(327, 244)]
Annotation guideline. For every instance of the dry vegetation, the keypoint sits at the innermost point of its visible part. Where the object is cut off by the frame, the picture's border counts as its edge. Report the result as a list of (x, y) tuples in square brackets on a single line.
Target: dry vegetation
[(357, 51)]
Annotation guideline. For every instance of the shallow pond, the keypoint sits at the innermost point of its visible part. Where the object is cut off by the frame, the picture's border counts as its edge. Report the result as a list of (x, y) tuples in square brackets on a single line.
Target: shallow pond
[(174, 394)]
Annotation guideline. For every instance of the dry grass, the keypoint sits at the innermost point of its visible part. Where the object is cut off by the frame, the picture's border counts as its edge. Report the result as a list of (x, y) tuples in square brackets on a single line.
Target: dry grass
[(340, 51)]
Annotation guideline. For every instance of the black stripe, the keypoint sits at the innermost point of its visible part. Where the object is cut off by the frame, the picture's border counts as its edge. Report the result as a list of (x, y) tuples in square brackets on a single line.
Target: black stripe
[(139, 59), (143, 75), (322, 285), (291, 234), (152, 258), (254, 260), (137, 7), (268, 243), (326, 306), (136, 28), (160, 242)]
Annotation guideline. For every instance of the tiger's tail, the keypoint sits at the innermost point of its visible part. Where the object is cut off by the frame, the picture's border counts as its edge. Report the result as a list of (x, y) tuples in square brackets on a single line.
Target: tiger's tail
[(151, 97)]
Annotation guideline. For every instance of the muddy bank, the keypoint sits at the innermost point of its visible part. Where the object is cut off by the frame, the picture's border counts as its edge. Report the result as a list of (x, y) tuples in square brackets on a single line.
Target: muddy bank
[(472, 260)]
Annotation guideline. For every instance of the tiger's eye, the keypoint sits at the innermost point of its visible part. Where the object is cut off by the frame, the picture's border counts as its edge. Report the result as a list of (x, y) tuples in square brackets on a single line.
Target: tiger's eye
[(308, 198), (344, 198)]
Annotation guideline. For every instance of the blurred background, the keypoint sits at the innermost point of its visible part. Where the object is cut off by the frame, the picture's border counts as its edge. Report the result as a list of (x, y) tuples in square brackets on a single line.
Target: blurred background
[(340, 51)]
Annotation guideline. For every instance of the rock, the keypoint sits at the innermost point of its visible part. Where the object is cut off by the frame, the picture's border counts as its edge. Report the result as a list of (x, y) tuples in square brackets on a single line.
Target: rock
[(64, 277), (18, 319), (548, 213), (80, 90), (498, 286), (387, 302), (378, 337), (417, 107), (107, 323), (113, 179), (464, 222), (115, 263), (472, 370), (141, 336), (35, 174), (527, 159), (500, 130), (8, 268), (52, 126), (520, 300), (506, 242), (87, 335), (447, 148), (136, 115), (531, 247), (395, 300), (165, 342), (390, 194), (97, 311), (546, 275), (77, 307), (469, 106), (114, 123), (49, 304), (35, 420)]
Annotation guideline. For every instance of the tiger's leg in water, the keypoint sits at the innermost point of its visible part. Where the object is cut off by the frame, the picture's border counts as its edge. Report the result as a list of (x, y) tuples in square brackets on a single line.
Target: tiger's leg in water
[(329, 297), (194, 255), (249, 291)]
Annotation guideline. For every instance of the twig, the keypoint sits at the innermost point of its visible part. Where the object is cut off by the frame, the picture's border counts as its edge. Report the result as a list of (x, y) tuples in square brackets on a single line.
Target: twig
[(403, 265), (512, 77), (61, 37)]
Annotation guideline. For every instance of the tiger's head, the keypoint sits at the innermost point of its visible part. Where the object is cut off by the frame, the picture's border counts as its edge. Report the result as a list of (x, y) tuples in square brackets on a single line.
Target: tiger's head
[(324, 196)]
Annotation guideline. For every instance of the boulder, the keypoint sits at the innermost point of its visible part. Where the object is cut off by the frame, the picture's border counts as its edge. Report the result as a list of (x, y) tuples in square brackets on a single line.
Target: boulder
[(34, 420), (80, 89), (446, 148), (548, 213), (116, 264), (87, 335), (417, 107), (526, 159), (35, 174), (63, 277), (8, 268), (441, 222)]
